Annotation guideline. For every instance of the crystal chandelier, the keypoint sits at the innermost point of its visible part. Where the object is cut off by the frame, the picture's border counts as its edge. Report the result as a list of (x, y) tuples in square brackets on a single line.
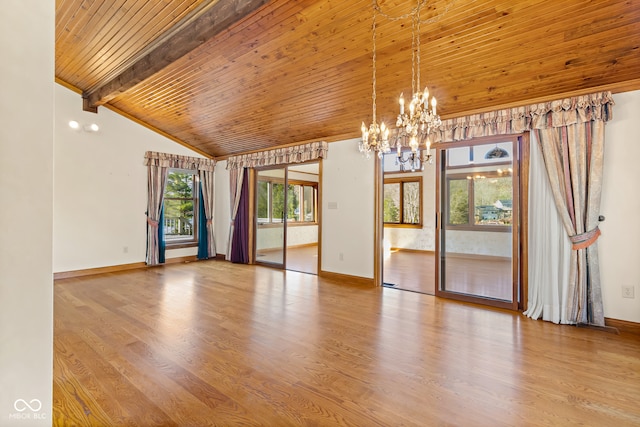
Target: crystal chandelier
[(375, 137), (413, 128)]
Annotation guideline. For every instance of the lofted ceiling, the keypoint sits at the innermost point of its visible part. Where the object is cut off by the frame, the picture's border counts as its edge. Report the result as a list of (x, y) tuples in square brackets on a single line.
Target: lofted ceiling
[(233, 76)]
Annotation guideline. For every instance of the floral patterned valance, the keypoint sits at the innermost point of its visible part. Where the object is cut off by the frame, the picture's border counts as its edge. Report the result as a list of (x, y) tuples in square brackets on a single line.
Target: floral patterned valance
[(595, 106), (280, 156), (151, 158)]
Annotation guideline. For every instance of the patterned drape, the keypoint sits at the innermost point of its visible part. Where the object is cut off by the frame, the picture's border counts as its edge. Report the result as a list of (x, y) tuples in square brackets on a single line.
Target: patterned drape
[(595, 106), (236, 178), (156, 179), (574, 158), (240, 247), (280, 156), (207, 186), (158, 165), (152, 158)]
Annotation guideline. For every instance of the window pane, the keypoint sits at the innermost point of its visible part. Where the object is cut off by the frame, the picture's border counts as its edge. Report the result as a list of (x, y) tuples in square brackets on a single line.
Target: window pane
[(179, 185), (179, 206), (277, 202), (459, 156), (392, 203), (178, 218), (309, 204), (493, 200), (411, 203), (263, 202), (293, 213), (458, 201)]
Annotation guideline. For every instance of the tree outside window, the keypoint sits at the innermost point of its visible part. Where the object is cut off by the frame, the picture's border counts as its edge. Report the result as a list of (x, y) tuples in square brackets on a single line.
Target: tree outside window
[(180, 200), (402, 201), (301, 201)]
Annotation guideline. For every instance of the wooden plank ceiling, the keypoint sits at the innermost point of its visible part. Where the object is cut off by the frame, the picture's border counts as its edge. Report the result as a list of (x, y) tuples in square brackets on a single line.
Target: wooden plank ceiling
[(294, 71)]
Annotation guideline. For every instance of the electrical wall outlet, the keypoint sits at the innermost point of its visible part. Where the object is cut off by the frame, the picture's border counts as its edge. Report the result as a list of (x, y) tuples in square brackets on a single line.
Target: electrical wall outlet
[(628, 292), (341, 256)]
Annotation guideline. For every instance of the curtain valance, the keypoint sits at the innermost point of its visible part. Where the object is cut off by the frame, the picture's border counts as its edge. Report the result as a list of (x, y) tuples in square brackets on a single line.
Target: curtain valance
[(151, 158), (551, 114), (279, 156)]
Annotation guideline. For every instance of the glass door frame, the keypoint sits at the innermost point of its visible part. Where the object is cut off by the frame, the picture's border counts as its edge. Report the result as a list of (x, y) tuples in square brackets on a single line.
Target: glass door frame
[(285, 183), (517, 252)]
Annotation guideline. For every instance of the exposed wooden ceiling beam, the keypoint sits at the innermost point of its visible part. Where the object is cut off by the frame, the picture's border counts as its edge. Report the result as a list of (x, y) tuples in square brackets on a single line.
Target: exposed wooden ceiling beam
[(194, 32)]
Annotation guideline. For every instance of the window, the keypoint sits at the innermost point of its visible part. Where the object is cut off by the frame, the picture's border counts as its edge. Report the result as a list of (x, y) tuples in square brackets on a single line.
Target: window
[(302, 199), (180, 207), (402, 202), (482, 200)]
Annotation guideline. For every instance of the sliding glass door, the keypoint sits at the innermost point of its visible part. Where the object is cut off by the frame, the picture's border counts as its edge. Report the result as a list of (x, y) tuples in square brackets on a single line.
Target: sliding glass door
[(271, 216), (477, 239)]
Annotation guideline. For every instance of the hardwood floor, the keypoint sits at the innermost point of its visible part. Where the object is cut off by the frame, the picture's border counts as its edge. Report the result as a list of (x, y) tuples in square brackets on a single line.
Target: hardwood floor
[(415, 271), (303, 259), (411, 271), (299, 258), (215, 343)]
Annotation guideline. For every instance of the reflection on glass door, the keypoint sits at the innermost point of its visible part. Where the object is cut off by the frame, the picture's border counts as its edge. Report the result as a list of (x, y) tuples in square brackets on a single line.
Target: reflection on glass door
[(477, 248), (271, 199)]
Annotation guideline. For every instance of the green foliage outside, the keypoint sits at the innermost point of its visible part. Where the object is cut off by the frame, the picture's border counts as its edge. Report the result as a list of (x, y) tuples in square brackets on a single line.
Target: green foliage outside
[(391, 211), (263, 201), (391, 203), (487, 193), (178, 204), (458, 201), (277, 206)]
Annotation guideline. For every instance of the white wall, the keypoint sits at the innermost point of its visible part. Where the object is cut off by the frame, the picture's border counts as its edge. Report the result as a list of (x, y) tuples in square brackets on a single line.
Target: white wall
[(26, 214), (489, 243), (101, 187), (271, 237), (618, 246), (347, 230)]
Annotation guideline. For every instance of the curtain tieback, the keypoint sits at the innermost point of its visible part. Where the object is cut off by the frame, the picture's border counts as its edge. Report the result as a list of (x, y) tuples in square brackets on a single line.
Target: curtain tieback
[(209, 222), (152, 223), (584, 240)]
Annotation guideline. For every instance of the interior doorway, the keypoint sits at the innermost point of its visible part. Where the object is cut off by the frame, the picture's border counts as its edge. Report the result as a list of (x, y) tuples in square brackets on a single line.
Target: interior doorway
[(286, 217), (408, 222)]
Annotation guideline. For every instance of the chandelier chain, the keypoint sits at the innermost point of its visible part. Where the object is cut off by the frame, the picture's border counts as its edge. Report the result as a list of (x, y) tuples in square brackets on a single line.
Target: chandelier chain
[(418, 45), (373, 95), (413, 11), (417, 37)]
